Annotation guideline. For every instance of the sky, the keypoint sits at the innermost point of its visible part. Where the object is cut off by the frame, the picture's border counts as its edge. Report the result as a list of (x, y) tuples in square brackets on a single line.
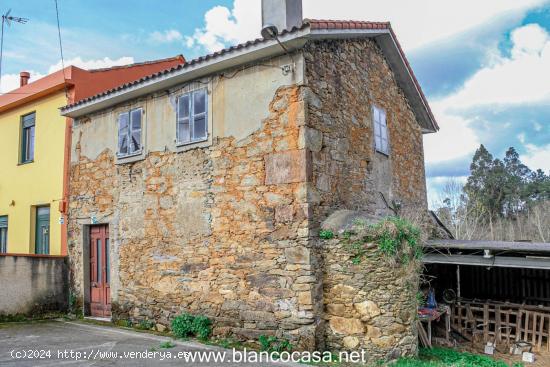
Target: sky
[(483, 65)]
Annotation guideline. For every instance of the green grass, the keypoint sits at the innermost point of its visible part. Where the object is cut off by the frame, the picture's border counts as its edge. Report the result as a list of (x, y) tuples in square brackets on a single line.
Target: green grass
[(167, 345), (439, 357)]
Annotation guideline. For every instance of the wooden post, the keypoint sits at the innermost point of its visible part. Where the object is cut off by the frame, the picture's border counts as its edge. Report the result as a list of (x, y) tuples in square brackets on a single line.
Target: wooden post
[(485, 322)]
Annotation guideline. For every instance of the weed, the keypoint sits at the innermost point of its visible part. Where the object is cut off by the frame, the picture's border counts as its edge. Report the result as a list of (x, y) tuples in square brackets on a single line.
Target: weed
[(396, 238), (226, 343), (273, 344), (145, 325), (439, 357), (326, 234), (124, 323), (167, 345)]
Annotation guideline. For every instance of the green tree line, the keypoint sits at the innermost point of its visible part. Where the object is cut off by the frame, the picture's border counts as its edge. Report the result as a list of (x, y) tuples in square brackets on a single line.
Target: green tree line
[(502, 198)]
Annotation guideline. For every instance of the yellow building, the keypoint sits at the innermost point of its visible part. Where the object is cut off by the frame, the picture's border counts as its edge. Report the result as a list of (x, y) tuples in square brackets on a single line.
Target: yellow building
[(34, 152), (32, 142)]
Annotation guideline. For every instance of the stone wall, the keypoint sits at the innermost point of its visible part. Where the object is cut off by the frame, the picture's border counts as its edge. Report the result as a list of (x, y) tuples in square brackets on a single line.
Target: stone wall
[(370, 306), (345, 79), (32, 285), (228, 229), (221, 231)]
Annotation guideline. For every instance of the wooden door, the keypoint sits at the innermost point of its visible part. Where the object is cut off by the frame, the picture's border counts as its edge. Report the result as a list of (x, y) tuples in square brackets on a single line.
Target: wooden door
[(100, 292)]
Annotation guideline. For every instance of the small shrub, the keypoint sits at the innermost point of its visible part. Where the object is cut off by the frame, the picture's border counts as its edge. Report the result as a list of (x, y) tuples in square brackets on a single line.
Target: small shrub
[(202, 327), (182, 325), (326, 234), (186, 325), (167, 345)]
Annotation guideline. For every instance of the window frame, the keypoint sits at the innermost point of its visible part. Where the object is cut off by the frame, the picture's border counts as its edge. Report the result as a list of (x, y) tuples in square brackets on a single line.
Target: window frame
[(192, 116), (129, 133), (4, 224), (24, 150), (378, 132)]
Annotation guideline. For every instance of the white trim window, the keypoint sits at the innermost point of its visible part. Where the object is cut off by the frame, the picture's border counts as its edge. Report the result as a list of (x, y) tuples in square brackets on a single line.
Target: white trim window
[(380, 130), (129, 133), (192, 117)]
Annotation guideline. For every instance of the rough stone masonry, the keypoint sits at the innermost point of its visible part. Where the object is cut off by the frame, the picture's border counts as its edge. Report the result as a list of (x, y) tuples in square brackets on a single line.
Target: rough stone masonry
[(230, 229)]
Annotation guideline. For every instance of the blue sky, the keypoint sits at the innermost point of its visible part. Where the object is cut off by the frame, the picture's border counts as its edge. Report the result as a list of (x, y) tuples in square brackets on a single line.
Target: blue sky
[(484, 65)]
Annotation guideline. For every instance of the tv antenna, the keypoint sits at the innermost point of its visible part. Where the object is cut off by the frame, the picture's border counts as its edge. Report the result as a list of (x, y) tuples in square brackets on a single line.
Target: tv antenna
[(7, 19)]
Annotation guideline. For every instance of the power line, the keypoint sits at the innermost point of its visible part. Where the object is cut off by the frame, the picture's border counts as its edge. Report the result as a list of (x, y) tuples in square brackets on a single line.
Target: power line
[(61, 50)]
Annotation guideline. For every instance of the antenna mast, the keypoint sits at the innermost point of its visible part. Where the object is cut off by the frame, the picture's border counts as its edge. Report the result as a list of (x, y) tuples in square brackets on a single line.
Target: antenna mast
[(7, 19)]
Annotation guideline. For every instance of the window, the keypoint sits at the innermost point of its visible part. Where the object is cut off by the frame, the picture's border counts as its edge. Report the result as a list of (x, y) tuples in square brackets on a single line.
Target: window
[(129, 133), (192, 117), (42, 230), (380, 130), (27, 137), (4, 234)]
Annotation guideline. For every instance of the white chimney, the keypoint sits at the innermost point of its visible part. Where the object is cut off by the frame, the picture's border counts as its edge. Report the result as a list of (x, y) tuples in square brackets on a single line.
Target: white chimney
[(283, 14)]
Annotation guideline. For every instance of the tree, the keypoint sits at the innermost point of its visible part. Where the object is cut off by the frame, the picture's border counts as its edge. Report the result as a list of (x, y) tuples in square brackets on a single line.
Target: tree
[(505, 196)]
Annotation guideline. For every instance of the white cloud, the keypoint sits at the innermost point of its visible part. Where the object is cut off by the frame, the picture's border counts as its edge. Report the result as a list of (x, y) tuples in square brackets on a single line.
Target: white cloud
[(519, 79), (167, 36), (241, 23), (537, 157), (105, 62), (523, 77), (417, 23), (11, 81)]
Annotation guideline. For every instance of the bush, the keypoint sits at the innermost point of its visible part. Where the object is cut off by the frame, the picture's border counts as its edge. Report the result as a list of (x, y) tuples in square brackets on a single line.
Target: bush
[(202, 327), (186, 325)]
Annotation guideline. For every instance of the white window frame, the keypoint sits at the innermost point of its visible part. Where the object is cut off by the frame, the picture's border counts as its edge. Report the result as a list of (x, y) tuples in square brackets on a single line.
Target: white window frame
[(380, 127), (190, 119), (130, 131)]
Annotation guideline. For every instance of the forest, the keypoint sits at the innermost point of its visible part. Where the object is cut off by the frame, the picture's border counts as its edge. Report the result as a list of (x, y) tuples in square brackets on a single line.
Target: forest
[(502, 199)]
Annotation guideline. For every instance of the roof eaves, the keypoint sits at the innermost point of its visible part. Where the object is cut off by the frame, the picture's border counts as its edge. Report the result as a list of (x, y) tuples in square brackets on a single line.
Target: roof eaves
[(218, 61)]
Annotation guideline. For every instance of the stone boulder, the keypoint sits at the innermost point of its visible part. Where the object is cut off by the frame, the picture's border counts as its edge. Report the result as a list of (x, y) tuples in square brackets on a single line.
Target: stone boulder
[(344, 220)]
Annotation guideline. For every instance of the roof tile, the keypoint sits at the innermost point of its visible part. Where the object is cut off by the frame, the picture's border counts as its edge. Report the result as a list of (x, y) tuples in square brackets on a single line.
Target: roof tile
[(314, 24)]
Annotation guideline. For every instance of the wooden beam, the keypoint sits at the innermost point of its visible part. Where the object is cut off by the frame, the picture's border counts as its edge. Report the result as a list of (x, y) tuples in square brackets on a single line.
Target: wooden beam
[(489, 245), (496, 261)]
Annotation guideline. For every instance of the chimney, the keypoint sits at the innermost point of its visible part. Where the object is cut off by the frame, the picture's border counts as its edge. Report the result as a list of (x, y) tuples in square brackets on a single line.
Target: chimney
[(283, 14), (24, 78)]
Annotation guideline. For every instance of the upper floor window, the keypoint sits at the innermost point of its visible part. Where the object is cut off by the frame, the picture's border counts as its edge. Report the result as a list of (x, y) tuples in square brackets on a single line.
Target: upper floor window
[(380, 130), (129, 133), (192, 117), (4, 234), (27, 137)]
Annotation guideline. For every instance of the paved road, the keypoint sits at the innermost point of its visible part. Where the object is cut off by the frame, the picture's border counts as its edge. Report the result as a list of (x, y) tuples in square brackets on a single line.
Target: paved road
[(51, 344)]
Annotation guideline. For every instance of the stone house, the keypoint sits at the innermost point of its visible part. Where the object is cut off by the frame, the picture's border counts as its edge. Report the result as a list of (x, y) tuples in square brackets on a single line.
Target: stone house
[(201, 188)]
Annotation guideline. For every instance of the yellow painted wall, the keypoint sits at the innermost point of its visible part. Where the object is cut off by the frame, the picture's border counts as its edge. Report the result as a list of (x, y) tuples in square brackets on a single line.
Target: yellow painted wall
[(36, 183)]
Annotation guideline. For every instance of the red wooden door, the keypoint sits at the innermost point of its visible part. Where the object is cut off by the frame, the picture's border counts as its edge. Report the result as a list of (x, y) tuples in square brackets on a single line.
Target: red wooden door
[(100, 292)]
